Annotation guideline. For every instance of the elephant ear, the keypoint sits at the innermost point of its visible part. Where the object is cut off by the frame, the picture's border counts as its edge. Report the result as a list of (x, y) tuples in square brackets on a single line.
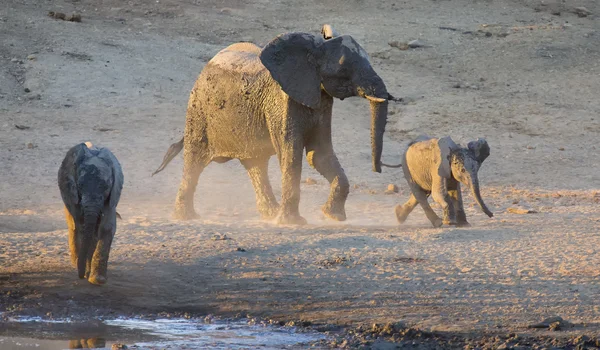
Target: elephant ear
[(67, 177), (117, 173), (291, 62), (480, 149), (445, 146)]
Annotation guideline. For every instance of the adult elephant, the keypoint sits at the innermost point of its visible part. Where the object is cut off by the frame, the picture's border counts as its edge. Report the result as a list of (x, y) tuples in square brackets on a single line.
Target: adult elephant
[(251, 103)]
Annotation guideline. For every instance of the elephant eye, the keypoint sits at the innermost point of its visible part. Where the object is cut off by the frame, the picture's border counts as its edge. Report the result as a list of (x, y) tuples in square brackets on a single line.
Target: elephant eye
[(462, 170)]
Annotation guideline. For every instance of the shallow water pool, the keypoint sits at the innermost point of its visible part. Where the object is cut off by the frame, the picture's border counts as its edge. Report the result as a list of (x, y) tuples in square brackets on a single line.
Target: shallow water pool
[(34, 333)]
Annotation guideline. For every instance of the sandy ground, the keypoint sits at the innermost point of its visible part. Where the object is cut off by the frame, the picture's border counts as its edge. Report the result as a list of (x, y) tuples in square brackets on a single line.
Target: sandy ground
[(121, 79)]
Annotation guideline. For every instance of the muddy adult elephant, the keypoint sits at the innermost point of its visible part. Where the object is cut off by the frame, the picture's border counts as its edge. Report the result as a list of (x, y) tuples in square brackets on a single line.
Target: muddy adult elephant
[(251, 103)]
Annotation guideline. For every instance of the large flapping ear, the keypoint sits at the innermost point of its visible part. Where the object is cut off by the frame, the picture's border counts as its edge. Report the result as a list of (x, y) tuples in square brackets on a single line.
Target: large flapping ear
[(67, 177), (290, 58), (111, 160), (480, 149), (328, 32), (445, 146)]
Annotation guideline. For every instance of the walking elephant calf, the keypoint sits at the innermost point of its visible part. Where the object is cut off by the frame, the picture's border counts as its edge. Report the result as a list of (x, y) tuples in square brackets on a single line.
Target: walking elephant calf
[(90, 181), (438, 167)]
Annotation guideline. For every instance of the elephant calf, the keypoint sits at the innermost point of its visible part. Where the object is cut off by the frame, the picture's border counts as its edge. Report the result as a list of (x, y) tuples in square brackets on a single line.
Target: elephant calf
[(90, 181), (438, 167)]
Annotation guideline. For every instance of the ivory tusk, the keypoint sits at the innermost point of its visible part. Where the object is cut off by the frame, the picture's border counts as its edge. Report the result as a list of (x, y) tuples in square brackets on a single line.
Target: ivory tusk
[(375, 99)]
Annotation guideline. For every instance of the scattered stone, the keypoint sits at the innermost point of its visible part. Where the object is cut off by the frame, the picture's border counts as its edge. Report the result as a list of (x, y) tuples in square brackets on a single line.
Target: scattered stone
[(310, 181), (21, 127), (398, 45), (555, 323), (31, 146), (14, 60), (219, 237), (448, 28), (582, 11), (27, 90), (520, 210), (391, 189), (555, 12), (457, 86), (57, 15), (32, 57), (240, 249), (384, 55), (75, 17), (416, 44), (561, 148)]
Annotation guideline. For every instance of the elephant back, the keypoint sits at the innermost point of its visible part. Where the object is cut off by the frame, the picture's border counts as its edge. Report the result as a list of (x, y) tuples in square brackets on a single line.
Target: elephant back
[(239, 58)]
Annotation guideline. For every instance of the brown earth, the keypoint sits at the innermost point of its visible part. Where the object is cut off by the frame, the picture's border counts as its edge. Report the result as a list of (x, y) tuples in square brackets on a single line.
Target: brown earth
[(514, 72)]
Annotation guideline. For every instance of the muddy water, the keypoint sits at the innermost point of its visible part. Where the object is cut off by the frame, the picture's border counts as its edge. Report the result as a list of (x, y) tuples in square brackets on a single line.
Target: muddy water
[(28, 333)]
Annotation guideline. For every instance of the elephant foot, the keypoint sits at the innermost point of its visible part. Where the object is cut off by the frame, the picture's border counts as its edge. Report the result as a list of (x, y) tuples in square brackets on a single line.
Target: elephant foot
[(334, 213), (268, 212), (449, 222), (97, 279), (401, 213), (437, 223), (182, 213), (291, 219)]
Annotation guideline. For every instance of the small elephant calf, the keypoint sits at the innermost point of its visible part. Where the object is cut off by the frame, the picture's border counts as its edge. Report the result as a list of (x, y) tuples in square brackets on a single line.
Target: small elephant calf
[(90, 181), (438, 167)]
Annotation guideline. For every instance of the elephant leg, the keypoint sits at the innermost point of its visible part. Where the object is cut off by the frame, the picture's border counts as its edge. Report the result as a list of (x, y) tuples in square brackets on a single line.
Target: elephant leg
[(72, 237), (99, 260), (265, 200), (440, 195), (327, 164), (461, 217), (194, 162), (421, 197), (402, 211), (290, 160)]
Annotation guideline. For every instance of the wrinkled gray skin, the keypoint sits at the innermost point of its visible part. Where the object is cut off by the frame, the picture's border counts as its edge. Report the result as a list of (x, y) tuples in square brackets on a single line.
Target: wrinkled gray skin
[(437, 167), (251, 103), (90, 181)]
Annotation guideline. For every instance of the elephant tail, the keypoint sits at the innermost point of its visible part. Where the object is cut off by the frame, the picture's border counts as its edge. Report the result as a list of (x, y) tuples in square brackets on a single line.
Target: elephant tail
[(392, 166), (174, 150)]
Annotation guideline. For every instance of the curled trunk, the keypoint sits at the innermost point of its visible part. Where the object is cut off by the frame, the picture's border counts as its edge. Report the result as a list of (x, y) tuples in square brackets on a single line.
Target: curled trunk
[(477, 196), (90, 228), (378, 121)]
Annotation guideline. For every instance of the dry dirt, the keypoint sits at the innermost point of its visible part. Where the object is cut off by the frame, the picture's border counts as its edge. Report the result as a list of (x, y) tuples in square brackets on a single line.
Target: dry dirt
[(121, 79)]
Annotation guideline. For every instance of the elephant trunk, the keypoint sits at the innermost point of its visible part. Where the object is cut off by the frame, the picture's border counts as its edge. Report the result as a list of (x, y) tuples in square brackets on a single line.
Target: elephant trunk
[(477, 195), (90, 228), (378, 120)]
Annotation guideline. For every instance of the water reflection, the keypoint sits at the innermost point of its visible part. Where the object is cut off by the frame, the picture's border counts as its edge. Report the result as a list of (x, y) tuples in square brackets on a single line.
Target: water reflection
[(90, 343)]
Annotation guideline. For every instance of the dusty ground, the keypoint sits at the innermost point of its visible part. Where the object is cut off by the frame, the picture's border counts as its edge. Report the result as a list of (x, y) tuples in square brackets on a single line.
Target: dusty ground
[(121, 78)]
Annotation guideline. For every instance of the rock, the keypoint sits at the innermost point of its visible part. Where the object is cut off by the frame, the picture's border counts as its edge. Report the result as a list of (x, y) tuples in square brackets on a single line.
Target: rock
[(14, 60), (56, 15), (240, 249), (561, 148), (219, 237), (582, 11), (27, 90), (31, 146), (21, 127), (32, 57), (457, 86), (391, 188), (398, 45), (384, 55), (75, 17), (552, 323), (310, 181), (520, 210), (416, 44)]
